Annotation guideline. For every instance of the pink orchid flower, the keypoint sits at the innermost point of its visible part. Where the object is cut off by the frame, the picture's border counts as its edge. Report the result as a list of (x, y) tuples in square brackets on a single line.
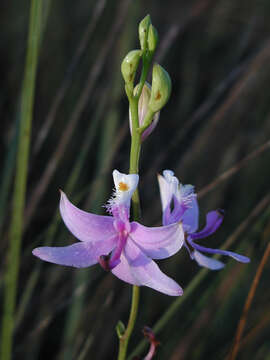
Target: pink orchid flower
[(126, 248)]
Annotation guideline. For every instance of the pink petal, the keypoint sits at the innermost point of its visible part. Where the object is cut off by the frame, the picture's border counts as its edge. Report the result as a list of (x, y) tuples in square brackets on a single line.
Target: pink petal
[(78, 255), (158, 242), (83, 225), (138, 269)]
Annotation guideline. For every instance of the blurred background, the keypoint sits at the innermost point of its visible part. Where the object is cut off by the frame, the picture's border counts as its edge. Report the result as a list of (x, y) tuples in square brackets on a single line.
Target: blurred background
[(214, 133)]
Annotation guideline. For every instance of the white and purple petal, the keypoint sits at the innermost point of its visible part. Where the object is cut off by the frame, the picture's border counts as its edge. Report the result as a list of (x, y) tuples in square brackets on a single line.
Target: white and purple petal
[(168, 186), (83, 225), (78, 255), (158, 242), (138, 269)]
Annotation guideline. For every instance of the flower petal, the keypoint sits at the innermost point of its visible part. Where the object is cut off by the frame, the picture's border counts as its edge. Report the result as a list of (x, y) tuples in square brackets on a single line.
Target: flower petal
[(78, 255), (241, 258), (83, 225), (158, 242), (125, 185), (168, 185), (138, 269), (213, 222), (190, 218), (171, 216), (207, 262)]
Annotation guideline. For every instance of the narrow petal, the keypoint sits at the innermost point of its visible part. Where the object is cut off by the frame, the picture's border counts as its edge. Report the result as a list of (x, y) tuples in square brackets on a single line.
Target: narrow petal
[(78, 255), (241, 258), (158, 242), (138, 269), (83, 225), (213, 222), (207, 262)]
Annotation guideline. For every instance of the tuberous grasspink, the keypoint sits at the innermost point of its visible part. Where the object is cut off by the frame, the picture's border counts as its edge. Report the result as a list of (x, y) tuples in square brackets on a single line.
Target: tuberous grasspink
[(118, 241)]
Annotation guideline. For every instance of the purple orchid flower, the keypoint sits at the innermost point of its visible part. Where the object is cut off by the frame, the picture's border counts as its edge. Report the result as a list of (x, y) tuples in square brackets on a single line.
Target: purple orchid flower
[(179, 204), (125, 248)]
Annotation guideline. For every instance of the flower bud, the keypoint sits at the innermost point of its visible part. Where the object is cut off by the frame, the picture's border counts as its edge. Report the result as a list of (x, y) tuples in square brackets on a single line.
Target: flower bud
[(120, 329), (129, 65), (152, 38), (142, 110), (143, 31), (161, 88)]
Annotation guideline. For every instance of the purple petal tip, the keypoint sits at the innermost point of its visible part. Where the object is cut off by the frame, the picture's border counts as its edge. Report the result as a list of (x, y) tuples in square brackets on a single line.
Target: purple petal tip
[(243, 259), (35, 252)]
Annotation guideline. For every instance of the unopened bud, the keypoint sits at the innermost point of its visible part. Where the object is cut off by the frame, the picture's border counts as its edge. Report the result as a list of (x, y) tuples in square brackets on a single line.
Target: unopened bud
[(142, 111), (161, 88), (152, 38), (120, 329), (129, 65), (143, 31)]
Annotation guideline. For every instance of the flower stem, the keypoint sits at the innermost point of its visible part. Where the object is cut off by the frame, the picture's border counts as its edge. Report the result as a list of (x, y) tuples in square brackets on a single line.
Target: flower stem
[(123, 342), (16, 226), (135, 154), (134, 169)]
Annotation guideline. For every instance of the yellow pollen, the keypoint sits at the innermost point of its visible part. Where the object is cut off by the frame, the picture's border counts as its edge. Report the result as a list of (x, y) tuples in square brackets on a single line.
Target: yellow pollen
[(122, 186)]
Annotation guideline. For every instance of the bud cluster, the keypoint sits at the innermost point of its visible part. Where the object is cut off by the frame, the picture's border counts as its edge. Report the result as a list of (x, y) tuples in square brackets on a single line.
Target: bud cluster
[(150, 99)]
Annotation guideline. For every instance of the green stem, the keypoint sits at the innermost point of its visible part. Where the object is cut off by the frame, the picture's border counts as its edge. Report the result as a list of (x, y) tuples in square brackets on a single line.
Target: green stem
[(123, 342), (135, 154), (16, 226), (134, 169)]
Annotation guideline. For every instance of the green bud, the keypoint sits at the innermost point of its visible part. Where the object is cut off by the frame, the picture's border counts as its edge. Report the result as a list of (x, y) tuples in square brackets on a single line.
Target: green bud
[(152, 38), (143, 31), (129, 65), (120, 329), (161, 88)]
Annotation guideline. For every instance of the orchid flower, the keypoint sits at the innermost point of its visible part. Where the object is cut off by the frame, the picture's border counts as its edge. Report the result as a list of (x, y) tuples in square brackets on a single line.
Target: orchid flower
[(179, 204), (126, 248)]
